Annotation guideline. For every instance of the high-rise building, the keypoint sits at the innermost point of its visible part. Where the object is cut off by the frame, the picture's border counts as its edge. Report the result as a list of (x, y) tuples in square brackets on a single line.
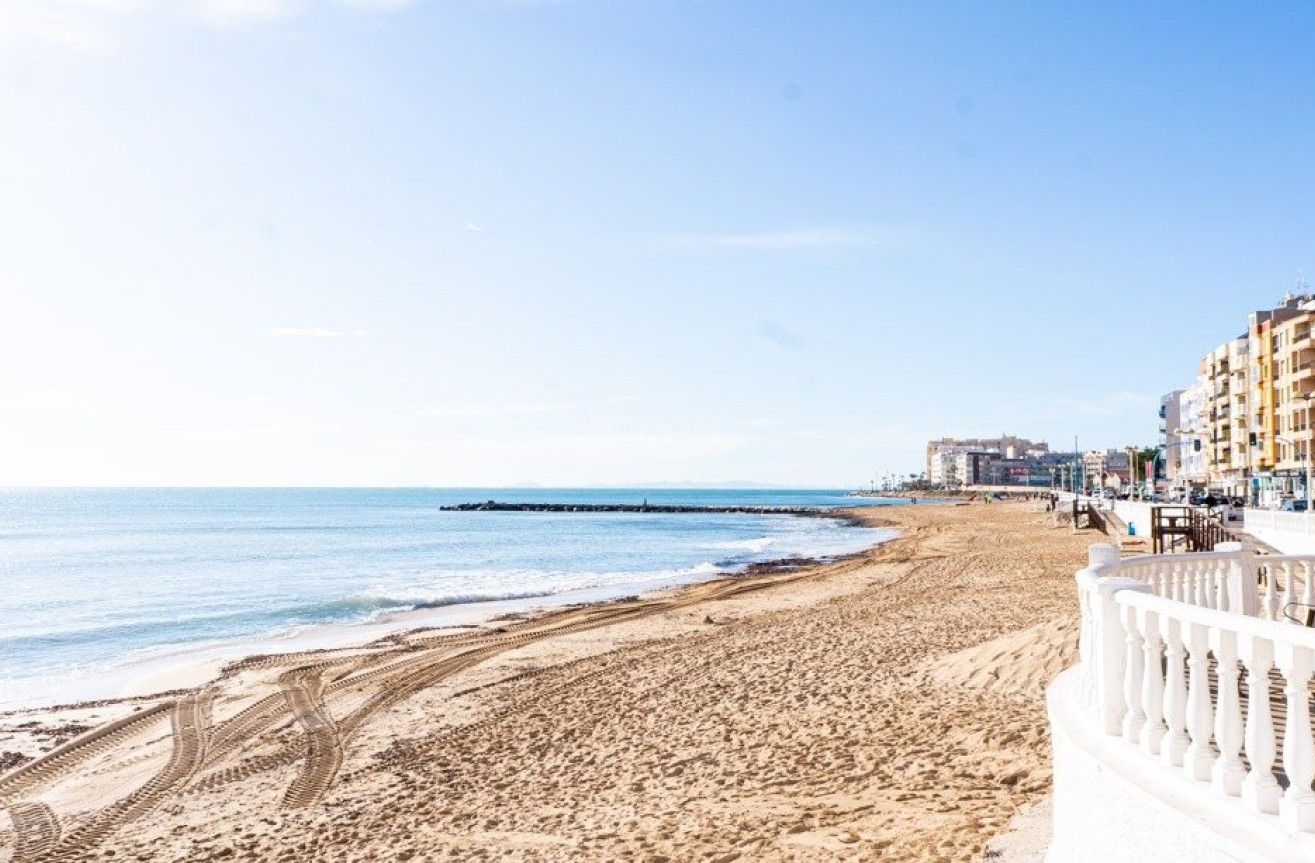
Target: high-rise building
[(1243, 426)]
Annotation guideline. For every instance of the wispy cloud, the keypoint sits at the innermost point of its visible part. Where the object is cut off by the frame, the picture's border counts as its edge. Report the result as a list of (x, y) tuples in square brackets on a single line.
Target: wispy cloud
[(780, 336), (1110, 404), (631, 448), (254, 12), (24, 400), (83, 26), (240, 13), (313, 333), (797, 239), (492, 411), (240, 435), (92, 26)]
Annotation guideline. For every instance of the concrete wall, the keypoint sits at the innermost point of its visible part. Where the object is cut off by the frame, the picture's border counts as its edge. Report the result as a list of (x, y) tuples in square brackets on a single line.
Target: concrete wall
[(1289, 532), (1136, 513)]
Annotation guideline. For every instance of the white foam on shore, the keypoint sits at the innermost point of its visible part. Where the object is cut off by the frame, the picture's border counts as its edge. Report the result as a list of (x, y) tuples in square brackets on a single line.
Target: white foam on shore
[(184, 667), (174, 666)]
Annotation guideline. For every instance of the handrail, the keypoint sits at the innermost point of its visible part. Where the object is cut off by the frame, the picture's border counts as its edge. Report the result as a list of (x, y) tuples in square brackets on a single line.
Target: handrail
[(1256, 627), (1177, 656)]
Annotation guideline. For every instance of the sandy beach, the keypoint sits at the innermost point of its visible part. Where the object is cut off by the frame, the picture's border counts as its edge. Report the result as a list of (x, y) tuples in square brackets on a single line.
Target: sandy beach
[(888, 706)]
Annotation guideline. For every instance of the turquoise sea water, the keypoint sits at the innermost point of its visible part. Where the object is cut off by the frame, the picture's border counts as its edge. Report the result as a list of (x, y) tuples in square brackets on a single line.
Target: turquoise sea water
[(95, 580)]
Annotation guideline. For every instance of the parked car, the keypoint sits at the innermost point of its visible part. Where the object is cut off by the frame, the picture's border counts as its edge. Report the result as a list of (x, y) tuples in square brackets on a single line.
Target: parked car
[(1293, 506)]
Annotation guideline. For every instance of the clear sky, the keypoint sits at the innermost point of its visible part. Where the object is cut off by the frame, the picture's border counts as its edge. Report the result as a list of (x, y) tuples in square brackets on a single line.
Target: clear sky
[(463, 242)]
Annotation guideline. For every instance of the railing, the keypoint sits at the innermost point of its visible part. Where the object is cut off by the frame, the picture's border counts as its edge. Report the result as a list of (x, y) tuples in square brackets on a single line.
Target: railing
[(1191, 659), (1256, 519), (1273, 587)]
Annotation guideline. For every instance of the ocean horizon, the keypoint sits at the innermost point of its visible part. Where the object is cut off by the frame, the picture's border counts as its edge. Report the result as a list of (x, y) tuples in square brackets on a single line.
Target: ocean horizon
[(99, 581)]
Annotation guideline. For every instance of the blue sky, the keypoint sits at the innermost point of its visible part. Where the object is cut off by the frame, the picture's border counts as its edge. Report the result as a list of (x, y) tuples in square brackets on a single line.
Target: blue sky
[(465, 242)]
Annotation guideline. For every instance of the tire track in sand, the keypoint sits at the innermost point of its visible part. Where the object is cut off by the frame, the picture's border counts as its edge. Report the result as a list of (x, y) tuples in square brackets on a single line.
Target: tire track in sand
[(36, 828), (58, 762), (189, 733), (304, 692)]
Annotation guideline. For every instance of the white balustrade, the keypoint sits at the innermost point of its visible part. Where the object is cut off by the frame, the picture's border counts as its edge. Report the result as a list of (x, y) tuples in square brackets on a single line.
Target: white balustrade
[(1152, 695), (1297, 808), (1260, 790), (1175, 694), (1177, 655), (1229, 771), (1199, 758)]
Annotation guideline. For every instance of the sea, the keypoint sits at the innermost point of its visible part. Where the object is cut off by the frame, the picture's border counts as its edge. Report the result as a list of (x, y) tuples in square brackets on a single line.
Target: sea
[(97, 585)]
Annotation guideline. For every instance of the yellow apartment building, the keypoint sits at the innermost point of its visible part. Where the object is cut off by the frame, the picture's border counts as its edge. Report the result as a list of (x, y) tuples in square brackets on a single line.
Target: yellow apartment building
[(1251, 408), (1290, 390)]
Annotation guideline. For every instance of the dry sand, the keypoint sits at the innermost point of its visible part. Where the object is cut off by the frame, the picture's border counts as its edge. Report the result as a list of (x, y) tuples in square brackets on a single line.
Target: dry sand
[(886, 706)]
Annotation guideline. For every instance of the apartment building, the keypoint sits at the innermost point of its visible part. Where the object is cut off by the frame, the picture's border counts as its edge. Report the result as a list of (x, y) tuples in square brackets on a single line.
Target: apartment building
[(942, 454), (1243, 426), (1170, 423), (1106, 468), (1189, 456), (1006, 460), (1292, 388)]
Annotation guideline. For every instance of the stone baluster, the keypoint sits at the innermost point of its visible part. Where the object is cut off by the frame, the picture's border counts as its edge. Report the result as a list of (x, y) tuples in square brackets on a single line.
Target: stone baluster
[(1229, 771), (1271, 591), (1175, 739), (1297, 808), (1152, 730), (1307, 590), (1289, 593), (1084, 629), (1197, 582), (1176, 576), (1108, 642), (1251, 584), (1240, 582), (1260, 790), (1200, 757), (1134, 658)]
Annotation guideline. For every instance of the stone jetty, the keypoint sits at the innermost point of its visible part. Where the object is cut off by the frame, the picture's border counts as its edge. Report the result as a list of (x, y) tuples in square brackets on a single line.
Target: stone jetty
[(495, 506)]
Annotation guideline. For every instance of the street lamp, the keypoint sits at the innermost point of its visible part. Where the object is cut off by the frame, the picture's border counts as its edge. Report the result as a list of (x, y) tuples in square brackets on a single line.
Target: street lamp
[(1132, 469), (1307, 399)]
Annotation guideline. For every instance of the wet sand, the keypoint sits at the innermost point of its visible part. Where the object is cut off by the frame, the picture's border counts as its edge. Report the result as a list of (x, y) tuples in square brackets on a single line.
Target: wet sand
[(884, 706)]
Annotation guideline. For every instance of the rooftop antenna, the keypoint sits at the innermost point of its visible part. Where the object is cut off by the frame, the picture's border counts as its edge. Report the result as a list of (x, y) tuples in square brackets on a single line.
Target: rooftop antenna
[(1302, 286)]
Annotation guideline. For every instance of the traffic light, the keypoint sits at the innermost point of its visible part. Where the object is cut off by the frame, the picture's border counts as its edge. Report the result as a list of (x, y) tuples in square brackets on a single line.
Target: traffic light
[(1254, 440)]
